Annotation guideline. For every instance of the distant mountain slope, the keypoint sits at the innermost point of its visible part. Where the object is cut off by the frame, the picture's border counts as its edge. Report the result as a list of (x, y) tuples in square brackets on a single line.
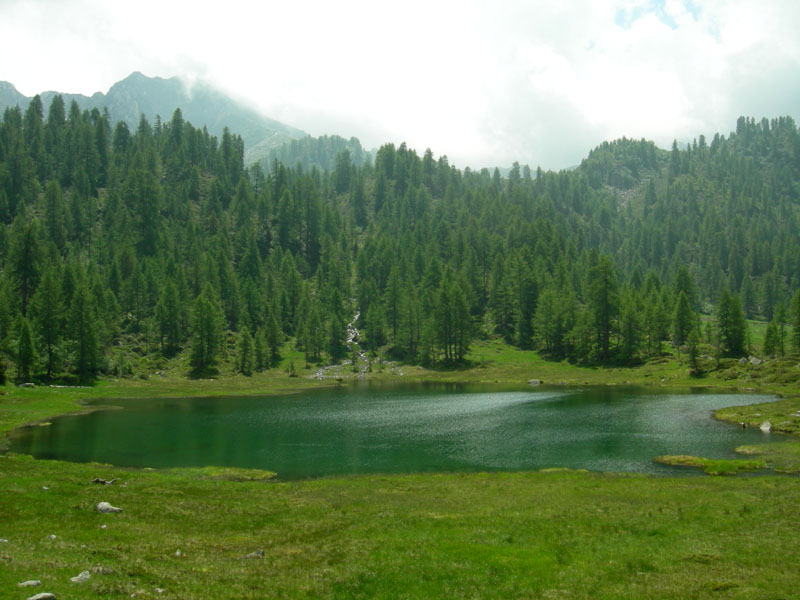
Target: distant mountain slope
[(320, 152), (202, 105)]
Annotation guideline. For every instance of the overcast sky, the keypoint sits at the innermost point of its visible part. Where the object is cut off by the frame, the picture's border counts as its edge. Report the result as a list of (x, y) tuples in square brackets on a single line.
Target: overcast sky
[(486, 83)]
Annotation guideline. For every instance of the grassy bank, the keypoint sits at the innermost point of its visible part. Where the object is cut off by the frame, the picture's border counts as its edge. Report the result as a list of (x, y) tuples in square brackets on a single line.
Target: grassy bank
[(488, 362), (549, 534)]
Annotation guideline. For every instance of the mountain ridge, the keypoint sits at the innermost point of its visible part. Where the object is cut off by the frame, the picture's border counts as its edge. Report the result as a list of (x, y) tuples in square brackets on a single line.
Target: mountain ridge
[(201, 104)]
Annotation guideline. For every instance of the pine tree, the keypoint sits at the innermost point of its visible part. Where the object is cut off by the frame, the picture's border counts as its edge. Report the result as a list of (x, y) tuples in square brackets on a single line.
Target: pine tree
[(260, 350), (245, 357), (48, 315), (24, 258), (771, 340), (527, 308), (207, 322), (2, 365), (795, 319), (83, 331), (683, 319), (731, 325), (273, 337), (170, 320), (26, 353), (603, 298), (548, 320)]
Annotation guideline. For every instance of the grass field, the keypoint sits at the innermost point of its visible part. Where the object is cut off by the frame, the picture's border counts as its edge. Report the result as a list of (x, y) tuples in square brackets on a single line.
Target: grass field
[(557, 534), (522, 535)]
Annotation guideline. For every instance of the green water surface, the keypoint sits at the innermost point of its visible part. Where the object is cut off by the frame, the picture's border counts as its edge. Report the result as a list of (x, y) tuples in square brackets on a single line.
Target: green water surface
[(401, 429)]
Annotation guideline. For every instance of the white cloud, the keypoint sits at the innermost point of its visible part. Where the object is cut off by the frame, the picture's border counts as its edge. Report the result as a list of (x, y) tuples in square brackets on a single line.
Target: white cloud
[(485, 83)]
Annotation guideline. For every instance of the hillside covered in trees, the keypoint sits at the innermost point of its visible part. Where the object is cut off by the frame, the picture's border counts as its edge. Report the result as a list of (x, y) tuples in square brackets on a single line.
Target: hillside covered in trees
[(159, 242)]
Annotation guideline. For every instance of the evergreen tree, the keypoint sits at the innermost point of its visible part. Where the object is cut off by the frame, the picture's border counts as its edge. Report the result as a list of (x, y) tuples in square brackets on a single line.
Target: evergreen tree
[(170, 320), (207, 322), (731, 325), (629, 327), (795, 318), (273, 337), (260, 351), (603, 298), (548, 320), (693, 346), (245, 356), (26, 353), (48, 315), (83, 332), (683, 320), (527, 308), (2, 365), (771, 340), (24, 258)]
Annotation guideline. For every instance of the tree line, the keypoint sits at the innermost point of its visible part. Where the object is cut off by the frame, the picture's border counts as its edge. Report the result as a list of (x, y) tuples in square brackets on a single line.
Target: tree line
[(124, 249)]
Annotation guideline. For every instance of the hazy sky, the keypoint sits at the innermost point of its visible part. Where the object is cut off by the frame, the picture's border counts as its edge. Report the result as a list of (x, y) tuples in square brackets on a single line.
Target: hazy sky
[(486, 83)]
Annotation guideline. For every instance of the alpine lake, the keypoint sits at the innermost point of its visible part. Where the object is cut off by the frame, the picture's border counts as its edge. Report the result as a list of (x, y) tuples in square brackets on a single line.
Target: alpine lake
[(373, 428)]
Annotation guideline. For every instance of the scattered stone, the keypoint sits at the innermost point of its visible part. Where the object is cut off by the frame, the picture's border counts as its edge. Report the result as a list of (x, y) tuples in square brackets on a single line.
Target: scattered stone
[(257, 554), (105, 507), (30, 583), (3, 541), (178, 553), (755, 361), (52, 536), (101, 570), (766, 427), (534, 382), (160, 590), (43, 596), (45, 488), (27, 385), (103, 526), (743, 361), (81, 577), (103, 481)]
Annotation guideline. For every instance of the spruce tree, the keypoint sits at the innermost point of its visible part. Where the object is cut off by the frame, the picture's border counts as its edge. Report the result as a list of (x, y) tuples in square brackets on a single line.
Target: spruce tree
[(26, 353), (683, 319), (83, 332), (48, 315), (245, 356), (207, 322)]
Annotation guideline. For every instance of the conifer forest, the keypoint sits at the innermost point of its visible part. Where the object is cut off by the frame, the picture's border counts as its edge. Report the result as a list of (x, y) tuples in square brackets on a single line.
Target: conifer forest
[(160, 242)]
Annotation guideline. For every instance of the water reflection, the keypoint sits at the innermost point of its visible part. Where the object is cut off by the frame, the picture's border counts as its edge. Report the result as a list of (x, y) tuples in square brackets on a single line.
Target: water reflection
[(402, 429)]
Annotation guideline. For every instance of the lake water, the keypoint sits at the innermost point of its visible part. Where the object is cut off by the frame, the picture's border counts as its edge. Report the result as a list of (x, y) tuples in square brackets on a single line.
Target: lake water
[(402, 429)]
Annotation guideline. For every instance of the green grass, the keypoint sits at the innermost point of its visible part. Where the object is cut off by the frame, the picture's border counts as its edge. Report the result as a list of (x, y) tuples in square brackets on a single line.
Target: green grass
[(556, 534), (712, 466), (522, 535), (783, 457)]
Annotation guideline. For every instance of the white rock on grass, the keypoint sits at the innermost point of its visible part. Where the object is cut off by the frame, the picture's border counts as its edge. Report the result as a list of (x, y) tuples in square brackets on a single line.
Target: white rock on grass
[(43, 596), (30, 583), (766, 427), (105, 507), (81, 577)]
